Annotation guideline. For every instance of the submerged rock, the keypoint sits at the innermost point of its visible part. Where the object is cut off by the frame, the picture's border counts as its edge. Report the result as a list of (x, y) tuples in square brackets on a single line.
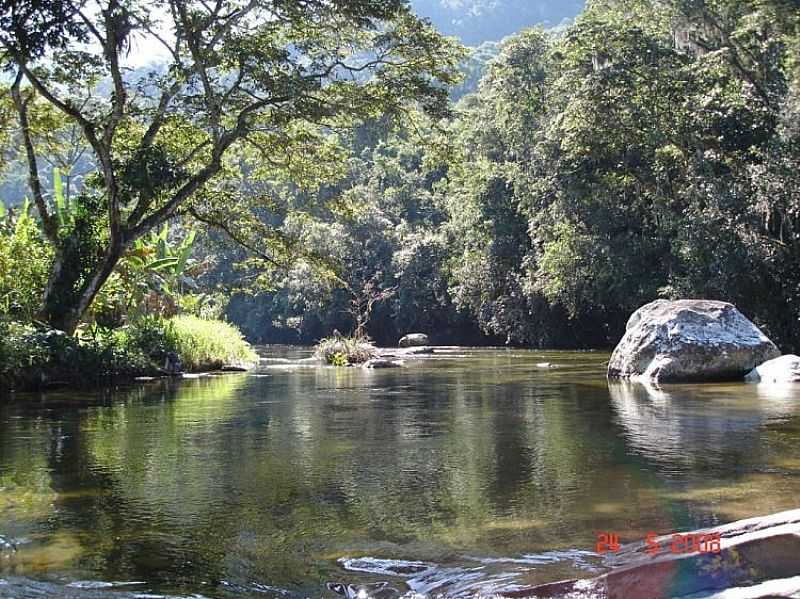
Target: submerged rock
[(785, 369), (417, 351), (689, 340), (414, 340), (377, 363)]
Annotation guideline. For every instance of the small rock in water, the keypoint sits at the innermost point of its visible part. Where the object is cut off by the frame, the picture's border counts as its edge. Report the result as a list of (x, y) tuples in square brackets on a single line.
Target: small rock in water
[(785, 369), (380, 363), (544, 365)]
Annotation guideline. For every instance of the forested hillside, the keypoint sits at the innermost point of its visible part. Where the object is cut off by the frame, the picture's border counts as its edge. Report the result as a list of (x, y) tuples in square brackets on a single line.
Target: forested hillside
[(478, 21)]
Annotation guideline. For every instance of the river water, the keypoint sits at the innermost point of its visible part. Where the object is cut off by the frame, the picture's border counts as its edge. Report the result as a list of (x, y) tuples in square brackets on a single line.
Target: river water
[(473, 471)]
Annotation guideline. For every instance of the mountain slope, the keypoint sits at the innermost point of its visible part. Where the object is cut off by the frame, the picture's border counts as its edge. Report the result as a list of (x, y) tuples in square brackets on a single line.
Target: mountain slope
[(477, 21)]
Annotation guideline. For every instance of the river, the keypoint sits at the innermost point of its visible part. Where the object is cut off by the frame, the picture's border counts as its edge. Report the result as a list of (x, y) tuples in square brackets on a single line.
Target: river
[(472, 471)]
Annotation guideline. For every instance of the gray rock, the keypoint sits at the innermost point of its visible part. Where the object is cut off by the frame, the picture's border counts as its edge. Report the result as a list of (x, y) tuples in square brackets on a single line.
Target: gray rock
[(173, 364), (785, 369), (414, 340), (689, 340), (377, 363)]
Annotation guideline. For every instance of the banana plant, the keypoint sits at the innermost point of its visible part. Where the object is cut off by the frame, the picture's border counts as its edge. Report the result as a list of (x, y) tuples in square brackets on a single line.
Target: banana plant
[(155, 271), (65, 210)]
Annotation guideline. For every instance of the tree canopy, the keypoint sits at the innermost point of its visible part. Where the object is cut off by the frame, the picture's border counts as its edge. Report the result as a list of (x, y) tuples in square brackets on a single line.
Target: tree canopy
[(340, 180), (265, 81)]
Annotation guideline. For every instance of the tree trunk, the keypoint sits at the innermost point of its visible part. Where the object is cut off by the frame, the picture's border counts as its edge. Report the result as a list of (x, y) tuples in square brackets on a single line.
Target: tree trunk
[(69, 292)]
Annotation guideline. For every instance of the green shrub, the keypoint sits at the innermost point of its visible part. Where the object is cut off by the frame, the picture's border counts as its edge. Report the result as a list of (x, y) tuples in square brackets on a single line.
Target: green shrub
[(33, 357), (25, 260), (341, 351), (148, 336)]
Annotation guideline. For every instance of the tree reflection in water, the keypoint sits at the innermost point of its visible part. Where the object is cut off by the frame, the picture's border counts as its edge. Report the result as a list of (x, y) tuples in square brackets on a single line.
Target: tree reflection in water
[(482, 466)]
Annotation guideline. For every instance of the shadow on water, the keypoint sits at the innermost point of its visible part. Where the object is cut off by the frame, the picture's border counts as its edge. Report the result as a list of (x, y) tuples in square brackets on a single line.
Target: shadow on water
[(470, 471)]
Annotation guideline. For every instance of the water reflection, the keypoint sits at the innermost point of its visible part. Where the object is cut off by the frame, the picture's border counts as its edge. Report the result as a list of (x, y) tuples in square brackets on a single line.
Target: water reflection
[(685, 426), (472, 470)]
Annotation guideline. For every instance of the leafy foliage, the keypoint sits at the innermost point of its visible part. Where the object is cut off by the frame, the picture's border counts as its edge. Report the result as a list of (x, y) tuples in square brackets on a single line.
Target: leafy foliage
[(25, 260), (650, 150), (246, 87), (34, 356)]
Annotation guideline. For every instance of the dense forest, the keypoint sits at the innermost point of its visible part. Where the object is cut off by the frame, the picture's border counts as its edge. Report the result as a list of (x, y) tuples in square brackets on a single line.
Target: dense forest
[(344, 166), (650, 150)]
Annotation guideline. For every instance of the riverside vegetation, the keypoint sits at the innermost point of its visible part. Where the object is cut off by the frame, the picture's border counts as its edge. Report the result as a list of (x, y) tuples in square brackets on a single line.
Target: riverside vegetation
[(534, 192)]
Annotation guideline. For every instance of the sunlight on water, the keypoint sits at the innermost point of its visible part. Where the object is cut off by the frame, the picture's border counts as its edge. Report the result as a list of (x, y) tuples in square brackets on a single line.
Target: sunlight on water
[(466, 473)]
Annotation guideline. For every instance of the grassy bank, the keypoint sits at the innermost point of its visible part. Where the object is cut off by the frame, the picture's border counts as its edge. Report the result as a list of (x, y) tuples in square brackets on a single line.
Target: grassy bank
[(34, 357)]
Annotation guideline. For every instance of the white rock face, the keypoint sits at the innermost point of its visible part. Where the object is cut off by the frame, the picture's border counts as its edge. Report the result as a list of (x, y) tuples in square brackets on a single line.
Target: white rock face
[(689, 340), (785, 369), (414, 340)]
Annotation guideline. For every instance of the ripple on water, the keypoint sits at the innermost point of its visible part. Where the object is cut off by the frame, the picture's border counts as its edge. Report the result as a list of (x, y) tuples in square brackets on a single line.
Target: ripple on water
[(14, 586), (476, 577)]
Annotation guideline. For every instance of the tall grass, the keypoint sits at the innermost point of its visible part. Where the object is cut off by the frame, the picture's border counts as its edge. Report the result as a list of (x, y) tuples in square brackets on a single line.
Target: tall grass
[(208, 344), (341, 351)]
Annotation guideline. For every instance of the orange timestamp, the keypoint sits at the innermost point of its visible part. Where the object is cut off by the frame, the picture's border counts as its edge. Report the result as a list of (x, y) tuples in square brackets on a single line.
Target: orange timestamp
[(608, 542)]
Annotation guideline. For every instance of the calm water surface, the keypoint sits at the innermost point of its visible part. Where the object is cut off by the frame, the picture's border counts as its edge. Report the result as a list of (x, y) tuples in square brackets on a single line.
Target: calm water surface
[(469, 471)]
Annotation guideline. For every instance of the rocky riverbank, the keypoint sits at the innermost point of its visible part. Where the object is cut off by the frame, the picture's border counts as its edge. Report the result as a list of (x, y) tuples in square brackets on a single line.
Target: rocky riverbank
[(757, 558)]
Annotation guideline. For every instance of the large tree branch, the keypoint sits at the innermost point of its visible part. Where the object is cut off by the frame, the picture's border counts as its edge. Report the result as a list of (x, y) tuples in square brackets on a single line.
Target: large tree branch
[(183, 194), (115, 20), (145, 201), (202, 177), (160, 114), (193, 42), (236, 238), (64, 106), (92, 29), (48, 222), (230, 21)]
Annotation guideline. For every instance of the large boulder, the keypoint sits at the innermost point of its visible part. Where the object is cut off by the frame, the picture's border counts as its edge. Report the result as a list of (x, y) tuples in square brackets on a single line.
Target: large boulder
[(689, 340), (785, 369), (414, 340)]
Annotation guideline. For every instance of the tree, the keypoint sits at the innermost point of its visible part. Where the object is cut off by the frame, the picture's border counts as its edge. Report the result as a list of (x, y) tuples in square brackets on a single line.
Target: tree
[(264, 78)]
